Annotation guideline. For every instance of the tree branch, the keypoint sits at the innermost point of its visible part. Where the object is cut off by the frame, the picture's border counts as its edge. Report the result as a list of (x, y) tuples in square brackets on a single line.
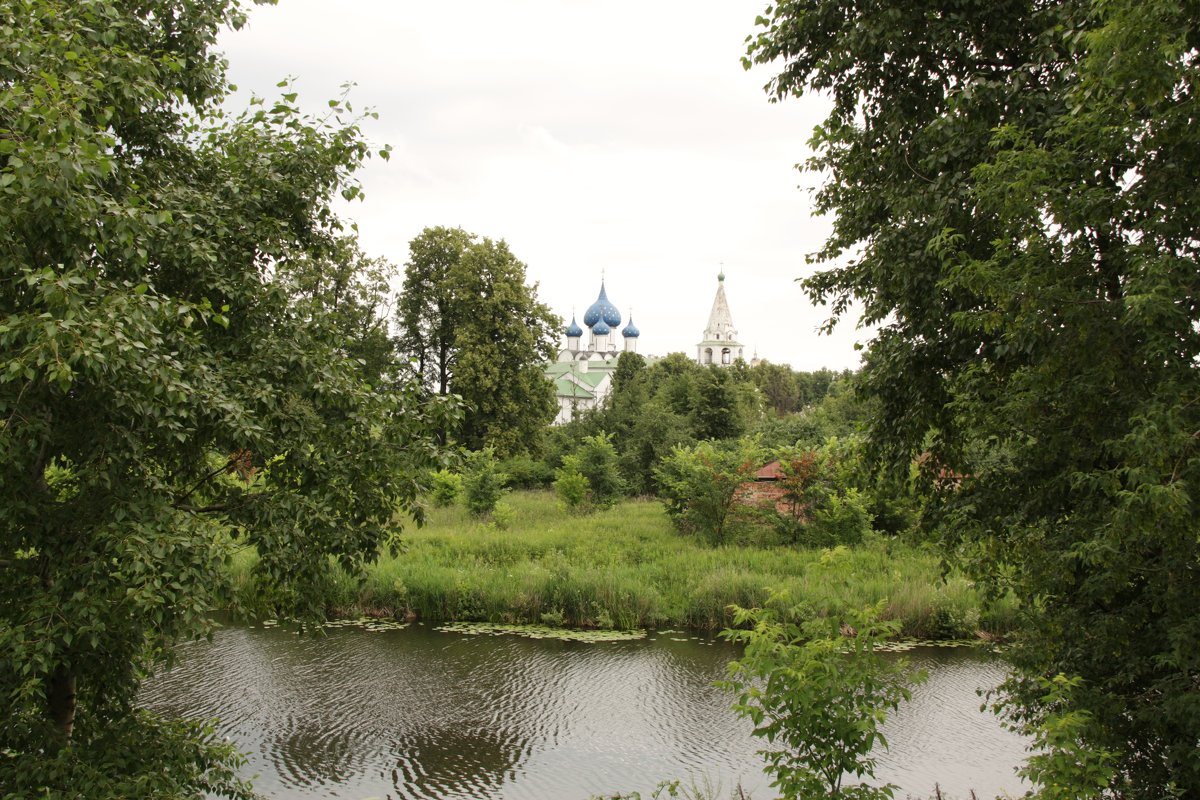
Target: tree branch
[(209, 509), (228, 462)]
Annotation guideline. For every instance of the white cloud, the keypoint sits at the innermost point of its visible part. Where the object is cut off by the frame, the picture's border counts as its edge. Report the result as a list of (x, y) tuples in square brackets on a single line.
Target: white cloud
[(593, 136)]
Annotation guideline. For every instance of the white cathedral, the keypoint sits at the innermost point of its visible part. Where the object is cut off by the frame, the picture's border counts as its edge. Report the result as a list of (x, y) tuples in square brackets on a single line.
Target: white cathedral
[(582, 376)]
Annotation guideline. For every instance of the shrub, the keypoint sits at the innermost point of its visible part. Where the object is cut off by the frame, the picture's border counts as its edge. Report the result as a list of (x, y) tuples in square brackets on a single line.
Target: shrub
[(700, 486), (817, 696), (503, 516), (596, 460), (955, 611), (804, 487), (843, 519), (483, 482), (446, 488), (526, 472), (570, 485)]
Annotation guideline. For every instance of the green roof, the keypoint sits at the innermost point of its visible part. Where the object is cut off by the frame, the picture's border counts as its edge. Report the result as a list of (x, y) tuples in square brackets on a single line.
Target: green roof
[(565, 388), (568, 377)]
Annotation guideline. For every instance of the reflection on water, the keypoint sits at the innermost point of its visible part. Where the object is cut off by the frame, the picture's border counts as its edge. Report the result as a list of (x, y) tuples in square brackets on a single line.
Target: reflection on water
[(421, 714)]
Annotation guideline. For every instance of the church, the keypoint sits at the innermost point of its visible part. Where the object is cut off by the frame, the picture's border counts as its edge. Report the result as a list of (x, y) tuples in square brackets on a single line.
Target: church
[(582, 373)]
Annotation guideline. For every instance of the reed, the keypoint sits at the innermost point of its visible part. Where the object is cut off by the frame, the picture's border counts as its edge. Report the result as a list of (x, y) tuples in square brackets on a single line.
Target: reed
[(626, 567)]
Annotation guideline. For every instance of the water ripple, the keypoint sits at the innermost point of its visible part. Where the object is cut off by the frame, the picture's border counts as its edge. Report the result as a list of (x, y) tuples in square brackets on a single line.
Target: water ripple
[(416, 713)]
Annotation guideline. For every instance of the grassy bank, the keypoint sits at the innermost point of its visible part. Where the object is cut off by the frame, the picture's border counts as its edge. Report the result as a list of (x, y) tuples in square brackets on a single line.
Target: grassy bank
[(627, 568)]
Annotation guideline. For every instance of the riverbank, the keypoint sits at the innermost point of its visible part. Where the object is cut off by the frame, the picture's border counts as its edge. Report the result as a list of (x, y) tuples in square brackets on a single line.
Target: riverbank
[(627, 568)]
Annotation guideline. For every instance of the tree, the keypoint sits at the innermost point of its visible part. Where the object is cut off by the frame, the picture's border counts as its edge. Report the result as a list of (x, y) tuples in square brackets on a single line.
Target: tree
[(475, 329), (650, 439), (165, 395), (351, 291), (504, 340), (1014, 187), (817, 696), (428, 311), (717, 413), (631, 367), (785, 390), (779, 386)]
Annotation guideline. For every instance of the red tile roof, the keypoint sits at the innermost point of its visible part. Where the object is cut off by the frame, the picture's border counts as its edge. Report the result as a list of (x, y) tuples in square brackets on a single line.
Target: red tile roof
[(771, 472)]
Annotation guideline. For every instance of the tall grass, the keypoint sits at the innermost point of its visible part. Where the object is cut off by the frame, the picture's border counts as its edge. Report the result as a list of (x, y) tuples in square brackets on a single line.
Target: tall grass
[(626, 567)]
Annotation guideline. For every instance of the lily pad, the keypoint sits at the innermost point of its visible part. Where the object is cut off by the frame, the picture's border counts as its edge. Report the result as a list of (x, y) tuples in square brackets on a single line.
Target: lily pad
[(540, 632), (368, 624)]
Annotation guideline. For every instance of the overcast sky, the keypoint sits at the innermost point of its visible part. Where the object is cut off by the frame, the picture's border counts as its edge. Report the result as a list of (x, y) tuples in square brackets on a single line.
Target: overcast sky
[(613, 137)]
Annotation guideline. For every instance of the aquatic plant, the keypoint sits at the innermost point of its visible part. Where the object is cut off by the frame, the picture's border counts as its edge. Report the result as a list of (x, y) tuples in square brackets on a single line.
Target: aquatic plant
[(540, 632)]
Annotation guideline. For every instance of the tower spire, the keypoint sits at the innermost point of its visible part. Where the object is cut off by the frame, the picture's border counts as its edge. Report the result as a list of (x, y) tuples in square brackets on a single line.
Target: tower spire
[(720, 344)]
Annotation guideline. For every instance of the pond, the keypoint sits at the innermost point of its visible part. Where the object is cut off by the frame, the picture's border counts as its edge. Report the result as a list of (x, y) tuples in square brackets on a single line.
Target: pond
[(421, 713)]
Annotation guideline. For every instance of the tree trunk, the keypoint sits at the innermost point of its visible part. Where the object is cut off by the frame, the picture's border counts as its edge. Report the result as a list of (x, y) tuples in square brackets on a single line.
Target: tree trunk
[(60, 699), (443, 383), (444, 369)]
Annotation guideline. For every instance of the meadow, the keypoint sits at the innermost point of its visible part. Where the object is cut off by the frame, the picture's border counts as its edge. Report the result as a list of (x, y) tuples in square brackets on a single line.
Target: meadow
[(626, 568)]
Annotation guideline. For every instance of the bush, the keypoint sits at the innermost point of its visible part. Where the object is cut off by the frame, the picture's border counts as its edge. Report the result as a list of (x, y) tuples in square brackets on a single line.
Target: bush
[(570, 485), (804, 486), (483, 482), (843, 519), (527, 472), (700, 486), (596, 460), (503, 516), (818, 692), (955, 611), (446, 488)]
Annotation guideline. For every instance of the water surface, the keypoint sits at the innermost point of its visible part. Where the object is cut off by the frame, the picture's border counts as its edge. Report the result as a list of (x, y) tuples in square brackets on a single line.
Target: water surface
[(418, 713)]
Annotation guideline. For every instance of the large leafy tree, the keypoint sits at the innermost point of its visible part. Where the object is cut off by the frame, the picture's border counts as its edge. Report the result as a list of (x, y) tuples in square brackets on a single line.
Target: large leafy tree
[(717, 414), (165, 393), (474, 328), (1016, 207), (428, 311)]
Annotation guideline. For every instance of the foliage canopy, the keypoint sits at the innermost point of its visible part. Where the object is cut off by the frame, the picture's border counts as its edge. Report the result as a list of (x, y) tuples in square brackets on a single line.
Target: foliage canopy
[(475, 329), (1015, 194), (171, 385)]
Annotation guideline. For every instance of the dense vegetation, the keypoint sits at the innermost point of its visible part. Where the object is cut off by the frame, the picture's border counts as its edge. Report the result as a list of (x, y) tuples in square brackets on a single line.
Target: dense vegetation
[(194, 354), (201, 369), (1013, 186), (673, 401), (625, 567)]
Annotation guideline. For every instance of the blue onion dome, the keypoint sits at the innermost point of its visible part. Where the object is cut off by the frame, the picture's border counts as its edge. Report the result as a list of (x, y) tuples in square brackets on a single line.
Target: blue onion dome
[(602, 309), (631, 331), (600, 328), (573, 329)]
